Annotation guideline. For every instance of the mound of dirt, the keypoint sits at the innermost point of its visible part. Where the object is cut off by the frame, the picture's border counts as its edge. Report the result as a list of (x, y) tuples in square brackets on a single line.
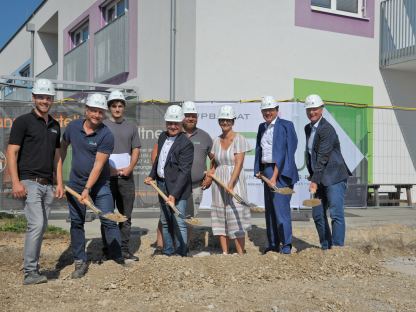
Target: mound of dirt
[(353, 278)]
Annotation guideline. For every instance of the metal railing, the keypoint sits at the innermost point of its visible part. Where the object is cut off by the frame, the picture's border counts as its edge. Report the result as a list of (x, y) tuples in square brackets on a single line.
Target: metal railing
[(397, 32), (76, 63), (50, 73), (76, 66), (111, 50)]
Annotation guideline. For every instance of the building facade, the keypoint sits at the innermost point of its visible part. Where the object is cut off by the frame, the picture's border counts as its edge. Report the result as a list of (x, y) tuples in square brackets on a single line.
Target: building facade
[(348, 51)]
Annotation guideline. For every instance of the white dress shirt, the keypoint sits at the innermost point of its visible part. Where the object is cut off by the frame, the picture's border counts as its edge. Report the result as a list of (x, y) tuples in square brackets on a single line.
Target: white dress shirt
[(267, 143), (312, 136), (163, 156)]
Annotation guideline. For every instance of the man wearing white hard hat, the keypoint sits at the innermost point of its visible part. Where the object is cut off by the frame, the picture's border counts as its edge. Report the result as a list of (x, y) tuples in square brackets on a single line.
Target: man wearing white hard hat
[(172, 172), (33, 155), (122, 160), (275, 158), (202, 149), (328, 174), (92, 144)]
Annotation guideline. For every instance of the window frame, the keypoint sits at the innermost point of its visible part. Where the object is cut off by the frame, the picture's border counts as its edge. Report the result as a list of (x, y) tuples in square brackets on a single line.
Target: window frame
[(25, 71), (79, 30), (333, 10), (113, 5)]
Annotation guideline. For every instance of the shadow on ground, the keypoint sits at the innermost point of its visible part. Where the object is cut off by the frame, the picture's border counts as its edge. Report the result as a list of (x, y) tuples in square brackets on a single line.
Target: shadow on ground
[(94, 249)]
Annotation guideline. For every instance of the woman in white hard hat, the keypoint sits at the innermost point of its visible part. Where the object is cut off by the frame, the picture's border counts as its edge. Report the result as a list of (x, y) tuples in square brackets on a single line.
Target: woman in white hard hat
[(230, 220)]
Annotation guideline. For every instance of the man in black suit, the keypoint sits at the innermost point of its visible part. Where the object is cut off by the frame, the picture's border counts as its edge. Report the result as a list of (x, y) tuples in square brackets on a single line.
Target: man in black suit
[(172, 171), (328, 174)]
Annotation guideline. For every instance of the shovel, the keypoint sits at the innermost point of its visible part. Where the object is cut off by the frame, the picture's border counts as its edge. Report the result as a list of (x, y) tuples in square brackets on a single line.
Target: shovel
[(189, 220), (238, 198), (275, 189), (116, 217), (312, 202)]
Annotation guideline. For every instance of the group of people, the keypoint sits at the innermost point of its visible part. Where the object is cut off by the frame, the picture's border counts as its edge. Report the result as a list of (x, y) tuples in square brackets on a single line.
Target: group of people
[(105, 152)]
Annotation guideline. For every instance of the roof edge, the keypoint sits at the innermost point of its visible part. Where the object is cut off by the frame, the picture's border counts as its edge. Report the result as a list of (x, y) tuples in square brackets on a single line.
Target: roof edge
[(20, 28)]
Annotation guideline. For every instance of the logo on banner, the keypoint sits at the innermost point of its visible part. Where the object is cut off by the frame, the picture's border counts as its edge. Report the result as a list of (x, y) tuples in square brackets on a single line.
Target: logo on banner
[(3, 162)]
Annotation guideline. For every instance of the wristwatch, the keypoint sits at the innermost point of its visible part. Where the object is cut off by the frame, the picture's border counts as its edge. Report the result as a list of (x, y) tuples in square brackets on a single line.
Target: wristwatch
[(88, 189)]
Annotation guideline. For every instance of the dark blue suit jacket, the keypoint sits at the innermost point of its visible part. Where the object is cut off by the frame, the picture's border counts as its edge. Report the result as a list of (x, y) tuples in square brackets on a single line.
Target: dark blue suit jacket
[(326, 159), (285, 143), (178, 166)]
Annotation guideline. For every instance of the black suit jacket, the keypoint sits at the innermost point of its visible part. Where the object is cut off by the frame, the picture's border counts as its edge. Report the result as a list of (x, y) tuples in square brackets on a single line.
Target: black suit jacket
[(178, 166), (326, 159)]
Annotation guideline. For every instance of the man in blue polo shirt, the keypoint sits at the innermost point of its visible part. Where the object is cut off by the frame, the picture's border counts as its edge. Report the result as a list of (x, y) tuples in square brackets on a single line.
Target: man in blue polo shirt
[(92, 143)]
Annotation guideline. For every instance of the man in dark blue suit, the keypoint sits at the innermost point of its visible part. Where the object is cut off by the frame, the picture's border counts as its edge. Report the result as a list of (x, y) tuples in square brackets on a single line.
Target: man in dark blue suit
[(328, 174), (275, 157), (172, 171)]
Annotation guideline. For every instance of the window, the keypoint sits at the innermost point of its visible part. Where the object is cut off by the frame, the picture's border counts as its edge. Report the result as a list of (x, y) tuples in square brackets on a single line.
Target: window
[(80, 35), (114, 10), (25, 71), (354, 8)]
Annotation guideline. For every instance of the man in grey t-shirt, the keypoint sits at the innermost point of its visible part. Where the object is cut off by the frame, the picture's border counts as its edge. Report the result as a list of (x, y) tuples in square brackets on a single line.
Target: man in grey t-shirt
[(122, 162), (202, 148)]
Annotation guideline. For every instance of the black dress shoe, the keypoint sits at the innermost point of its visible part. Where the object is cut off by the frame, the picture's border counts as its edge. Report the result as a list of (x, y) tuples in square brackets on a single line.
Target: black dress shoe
[(129, 256), (270, 249)]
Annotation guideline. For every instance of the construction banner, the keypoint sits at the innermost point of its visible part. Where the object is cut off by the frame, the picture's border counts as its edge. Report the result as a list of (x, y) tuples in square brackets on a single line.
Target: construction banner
[(150, 123)]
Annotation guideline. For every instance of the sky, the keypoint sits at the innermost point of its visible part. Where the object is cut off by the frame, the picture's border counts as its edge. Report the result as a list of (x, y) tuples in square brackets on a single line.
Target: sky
[(12, 15)]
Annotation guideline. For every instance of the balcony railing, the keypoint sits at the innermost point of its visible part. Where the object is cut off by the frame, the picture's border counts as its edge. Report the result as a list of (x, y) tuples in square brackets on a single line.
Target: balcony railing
[(50, 73), (111, 50), (397, 32), (76, 63)]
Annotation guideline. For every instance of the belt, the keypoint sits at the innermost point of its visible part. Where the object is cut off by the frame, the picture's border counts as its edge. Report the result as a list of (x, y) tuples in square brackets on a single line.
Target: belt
[(43, 181), (160, 179), (268, 164)]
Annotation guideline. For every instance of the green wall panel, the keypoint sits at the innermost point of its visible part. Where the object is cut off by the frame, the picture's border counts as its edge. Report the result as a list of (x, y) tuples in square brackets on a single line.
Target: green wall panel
[(357, 122)]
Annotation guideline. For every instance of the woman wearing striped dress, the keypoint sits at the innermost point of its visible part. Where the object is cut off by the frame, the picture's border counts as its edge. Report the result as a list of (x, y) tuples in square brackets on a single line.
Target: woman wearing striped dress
[(230, 220)]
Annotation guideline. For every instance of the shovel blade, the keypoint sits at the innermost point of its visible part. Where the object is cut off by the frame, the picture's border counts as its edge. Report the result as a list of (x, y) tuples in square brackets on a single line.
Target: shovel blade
[(193, 221), (313, 202), (283, 190), (116, 217)]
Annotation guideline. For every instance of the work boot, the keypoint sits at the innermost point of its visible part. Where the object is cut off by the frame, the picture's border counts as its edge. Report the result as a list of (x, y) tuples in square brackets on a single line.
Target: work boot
[(34, 277), (129, 256), (81, 268)]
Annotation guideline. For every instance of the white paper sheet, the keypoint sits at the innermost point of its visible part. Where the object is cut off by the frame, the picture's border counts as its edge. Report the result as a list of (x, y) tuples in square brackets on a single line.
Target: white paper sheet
[(119, 161)]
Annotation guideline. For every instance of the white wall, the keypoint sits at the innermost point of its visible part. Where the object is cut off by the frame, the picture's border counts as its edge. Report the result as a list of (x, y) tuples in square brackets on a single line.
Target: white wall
[(153, 49)]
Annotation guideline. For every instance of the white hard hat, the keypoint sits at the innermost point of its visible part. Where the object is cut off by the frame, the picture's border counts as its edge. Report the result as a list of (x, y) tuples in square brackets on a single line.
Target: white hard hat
[(97, 100), (188, 107), (313, 101), (268, 102), (43, 86), (116, 95), (226, 112), (174, 113)]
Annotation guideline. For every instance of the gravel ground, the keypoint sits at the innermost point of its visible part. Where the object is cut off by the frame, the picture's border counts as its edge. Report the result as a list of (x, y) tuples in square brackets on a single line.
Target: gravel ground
[(375, 272)]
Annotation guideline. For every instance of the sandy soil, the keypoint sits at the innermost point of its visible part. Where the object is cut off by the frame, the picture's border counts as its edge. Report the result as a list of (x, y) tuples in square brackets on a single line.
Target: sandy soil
[(376, 272)]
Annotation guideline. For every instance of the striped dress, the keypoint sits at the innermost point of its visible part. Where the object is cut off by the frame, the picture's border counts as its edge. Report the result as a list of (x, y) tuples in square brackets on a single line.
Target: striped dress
[(228, 217)]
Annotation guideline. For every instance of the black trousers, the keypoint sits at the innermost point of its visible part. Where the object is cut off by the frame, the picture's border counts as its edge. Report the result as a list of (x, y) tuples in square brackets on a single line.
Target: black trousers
[(123, 191)]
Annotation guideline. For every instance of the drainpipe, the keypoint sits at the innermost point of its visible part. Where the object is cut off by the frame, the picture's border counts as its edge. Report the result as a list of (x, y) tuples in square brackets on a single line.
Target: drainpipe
[(172, 49), (30, 27)]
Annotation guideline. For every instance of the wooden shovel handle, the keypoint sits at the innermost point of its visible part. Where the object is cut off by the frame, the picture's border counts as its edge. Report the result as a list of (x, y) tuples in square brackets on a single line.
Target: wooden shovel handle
[(86, 202), (163, 195), (221, 183), (266, 180)]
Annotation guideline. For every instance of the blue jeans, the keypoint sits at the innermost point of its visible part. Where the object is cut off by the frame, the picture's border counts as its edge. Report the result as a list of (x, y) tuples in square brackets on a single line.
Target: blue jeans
[(101, 196), (174, 228), (332, 197), (278, 215), (37, 208)]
